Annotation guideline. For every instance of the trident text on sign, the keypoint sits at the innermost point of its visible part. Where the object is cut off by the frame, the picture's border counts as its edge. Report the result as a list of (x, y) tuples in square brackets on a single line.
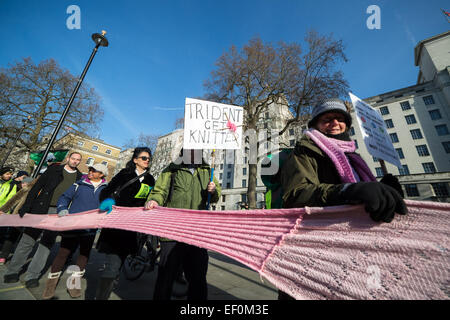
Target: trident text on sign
[(374, 132), (211, 125)]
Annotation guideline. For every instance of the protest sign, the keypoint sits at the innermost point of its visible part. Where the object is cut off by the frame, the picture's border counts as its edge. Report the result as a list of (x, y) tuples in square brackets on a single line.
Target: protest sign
[(211, 125), (374, 132)]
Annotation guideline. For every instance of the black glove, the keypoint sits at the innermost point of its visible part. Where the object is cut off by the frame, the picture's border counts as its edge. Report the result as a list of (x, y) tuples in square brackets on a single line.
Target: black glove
[(22, 213), (381, 201), (393, 182)]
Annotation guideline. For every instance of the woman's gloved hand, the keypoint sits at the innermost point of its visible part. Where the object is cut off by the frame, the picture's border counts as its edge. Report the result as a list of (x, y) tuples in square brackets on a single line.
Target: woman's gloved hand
[(391, 181), (381, 201), (106, 205)]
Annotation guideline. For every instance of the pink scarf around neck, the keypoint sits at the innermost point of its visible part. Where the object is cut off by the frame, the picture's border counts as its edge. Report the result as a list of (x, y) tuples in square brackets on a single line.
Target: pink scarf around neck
[(336, 149)]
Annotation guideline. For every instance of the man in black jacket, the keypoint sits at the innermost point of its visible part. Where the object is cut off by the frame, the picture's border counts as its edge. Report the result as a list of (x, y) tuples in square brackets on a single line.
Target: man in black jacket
[(41, 199)]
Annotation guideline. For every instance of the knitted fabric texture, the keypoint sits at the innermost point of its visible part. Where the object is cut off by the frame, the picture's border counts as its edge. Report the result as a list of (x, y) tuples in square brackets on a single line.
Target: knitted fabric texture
[(336, 150), (309, 253)]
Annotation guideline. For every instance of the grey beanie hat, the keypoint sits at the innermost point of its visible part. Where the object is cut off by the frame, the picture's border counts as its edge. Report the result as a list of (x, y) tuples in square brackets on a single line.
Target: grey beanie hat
[(330, 105)]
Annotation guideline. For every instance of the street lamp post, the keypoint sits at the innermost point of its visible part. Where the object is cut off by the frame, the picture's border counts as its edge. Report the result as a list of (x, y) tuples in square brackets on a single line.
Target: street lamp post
[(25, 122), (100, 40)]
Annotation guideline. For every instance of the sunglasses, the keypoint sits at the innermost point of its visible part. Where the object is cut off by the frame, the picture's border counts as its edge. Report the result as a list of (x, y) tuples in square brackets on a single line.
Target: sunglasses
[(145, 158)]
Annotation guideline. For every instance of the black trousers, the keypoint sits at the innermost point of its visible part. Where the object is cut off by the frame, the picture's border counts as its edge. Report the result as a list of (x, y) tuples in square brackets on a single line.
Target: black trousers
[(48, 238), (12, 235), (193, 260)]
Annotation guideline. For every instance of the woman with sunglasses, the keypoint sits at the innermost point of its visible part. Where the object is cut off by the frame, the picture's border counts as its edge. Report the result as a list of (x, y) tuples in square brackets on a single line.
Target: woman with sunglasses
[(324, 170), (114, 243)]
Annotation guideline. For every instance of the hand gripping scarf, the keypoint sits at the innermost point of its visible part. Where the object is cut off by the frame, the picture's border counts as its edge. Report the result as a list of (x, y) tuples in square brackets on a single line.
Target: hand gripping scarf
[(309, 253)]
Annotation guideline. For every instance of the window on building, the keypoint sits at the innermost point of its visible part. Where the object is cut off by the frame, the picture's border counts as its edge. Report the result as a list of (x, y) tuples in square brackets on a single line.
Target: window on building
[(80, 143), (384, 110), (94, 148), (441, 129), (405, 105), (394, 137), (244, 171), (356, 144), (90, 161), (428, 100), (222, 208), (410, 119), (265, 125), (220, 176), (416, 134), (440, 189), (352, 131), (435, 114), (267, 115), (292, 142), (411, 190), (108, 151), (228, 185), (422, 150), (428, 167), (245, 160), (291, 132), (404, 170), (375, 159), (379, 171), (221, 166), (105, 163), (228, 175), (400, 153), (244, 183), (229, 166), (223, 198), (243, 197), (446, 146), (389, 123)]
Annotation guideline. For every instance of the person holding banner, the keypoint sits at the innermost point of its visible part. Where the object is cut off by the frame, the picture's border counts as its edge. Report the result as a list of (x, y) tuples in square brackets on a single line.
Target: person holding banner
[(184, 184), (129, 188), (324, 170)]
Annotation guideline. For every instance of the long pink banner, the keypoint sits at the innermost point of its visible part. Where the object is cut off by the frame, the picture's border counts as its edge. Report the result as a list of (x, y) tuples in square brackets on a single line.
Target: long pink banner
[(310, 253)]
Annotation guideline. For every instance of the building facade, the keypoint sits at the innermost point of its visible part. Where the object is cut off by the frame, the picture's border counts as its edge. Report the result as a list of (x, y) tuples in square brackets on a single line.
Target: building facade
[(92, 151), (417, 119)]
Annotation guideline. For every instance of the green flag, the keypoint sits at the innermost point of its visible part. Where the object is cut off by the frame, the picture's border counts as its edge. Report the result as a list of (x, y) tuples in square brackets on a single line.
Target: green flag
[(53, 156)]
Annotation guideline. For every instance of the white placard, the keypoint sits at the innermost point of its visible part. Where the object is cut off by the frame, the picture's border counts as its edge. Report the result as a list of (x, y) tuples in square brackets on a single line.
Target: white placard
[(373, 129), (205, 125)]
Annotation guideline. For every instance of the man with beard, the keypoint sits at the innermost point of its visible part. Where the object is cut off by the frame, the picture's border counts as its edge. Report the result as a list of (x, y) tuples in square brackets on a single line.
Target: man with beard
[(41, 199)]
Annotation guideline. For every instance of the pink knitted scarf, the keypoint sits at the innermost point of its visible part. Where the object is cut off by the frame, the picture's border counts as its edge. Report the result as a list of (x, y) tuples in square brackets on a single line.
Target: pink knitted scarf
[(336, 150), (309, 253)]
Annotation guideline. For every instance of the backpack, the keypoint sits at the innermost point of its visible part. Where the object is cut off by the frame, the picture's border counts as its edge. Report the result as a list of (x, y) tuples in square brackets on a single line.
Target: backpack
[(274, 194)]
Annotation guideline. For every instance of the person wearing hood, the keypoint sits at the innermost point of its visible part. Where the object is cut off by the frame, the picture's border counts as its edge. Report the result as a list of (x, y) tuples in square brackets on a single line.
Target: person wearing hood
[(324, 170), (7, 186), (185, 184), (83, 195)]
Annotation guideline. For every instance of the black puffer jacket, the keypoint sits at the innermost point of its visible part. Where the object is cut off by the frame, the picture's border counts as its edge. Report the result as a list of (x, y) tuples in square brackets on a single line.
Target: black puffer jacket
[(40, 195), (116, 241)]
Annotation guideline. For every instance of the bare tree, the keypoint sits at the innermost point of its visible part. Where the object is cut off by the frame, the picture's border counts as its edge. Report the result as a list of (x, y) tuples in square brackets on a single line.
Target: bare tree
[(261, 74), (144, 140), (42, 92), (179, 123)]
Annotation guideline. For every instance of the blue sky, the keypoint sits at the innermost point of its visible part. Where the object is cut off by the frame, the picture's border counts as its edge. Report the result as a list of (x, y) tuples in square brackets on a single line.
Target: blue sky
[(162, 51)]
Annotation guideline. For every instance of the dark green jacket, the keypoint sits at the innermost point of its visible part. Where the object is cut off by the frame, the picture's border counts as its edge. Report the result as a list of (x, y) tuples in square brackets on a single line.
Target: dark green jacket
[(309, 177), (189, 190)]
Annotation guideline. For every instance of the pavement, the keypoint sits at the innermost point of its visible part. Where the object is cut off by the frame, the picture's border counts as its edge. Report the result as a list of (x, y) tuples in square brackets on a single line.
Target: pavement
[(227, 280)]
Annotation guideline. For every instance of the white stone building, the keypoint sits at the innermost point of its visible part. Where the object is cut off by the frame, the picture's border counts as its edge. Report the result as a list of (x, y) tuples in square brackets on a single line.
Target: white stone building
[(418, 120)]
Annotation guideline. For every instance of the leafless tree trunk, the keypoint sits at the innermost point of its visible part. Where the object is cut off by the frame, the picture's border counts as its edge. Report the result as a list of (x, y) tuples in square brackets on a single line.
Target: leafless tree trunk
[(261, 74)]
